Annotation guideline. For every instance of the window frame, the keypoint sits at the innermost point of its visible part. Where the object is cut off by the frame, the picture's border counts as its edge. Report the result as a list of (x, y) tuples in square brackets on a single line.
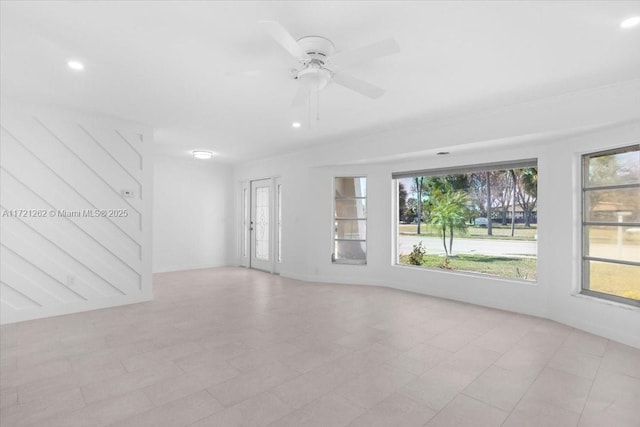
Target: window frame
[(532, 162), (278, 216), (584, 258), (334, 219), (245, 222)]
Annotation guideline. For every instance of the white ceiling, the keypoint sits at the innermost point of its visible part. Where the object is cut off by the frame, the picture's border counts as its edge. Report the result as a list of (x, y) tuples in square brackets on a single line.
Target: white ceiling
[(206, 76)]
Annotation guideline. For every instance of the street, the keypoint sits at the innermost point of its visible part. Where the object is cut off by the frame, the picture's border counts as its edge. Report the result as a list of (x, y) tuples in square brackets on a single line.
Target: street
[(496, 246)]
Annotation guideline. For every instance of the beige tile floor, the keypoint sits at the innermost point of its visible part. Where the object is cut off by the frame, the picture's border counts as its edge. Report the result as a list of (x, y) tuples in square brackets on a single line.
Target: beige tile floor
[(227, 347)]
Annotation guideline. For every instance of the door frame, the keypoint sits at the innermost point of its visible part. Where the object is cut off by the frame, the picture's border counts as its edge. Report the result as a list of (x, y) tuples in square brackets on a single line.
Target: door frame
[(245, 240)]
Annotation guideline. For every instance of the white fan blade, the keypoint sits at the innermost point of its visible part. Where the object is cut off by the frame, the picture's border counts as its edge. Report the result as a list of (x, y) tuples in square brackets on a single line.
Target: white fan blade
[(301, 96), (357, 85), (282, 36), (356, 56)]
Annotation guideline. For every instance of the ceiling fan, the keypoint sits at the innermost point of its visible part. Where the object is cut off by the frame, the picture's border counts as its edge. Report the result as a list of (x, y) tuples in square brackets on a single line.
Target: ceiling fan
[(319, 65)]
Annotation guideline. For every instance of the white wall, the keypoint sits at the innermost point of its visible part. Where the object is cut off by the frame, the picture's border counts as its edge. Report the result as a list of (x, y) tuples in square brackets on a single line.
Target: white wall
[(555, 131), (58, 160), (191, 206)]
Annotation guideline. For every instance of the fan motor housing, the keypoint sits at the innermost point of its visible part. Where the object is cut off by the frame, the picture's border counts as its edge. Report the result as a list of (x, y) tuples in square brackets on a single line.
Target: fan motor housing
[(318, 48)]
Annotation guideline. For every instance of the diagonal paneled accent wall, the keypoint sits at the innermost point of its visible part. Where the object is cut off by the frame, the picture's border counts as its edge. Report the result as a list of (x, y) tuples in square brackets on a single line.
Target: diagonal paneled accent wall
[(69, 238)]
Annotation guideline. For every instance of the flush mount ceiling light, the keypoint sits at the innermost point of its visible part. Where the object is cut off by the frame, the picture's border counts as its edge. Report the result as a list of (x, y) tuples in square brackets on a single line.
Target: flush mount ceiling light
[(204, 155), (75, 65), (630, 22), (314, 77), (296, 124)]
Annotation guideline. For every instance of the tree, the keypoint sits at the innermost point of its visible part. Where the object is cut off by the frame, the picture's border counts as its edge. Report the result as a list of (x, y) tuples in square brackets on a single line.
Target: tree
[(446, 183), (402, 202), (449, 213), (440, 184), (514, 184), (411, 211), (489, 203), (418, 182), (528, 194), (458, 182), (478, 192), (530, 181), (501, 190), (603, 170), (612, 169)]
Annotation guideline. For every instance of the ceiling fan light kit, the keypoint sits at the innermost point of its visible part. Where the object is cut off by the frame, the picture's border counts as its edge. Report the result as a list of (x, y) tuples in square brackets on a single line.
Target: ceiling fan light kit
[(314, 77)]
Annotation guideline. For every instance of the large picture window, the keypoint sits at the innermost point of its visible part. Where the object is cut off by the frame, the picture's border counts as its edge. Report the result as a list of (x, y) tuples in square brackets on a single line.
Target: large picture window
[(350, 220), (611, 224), (479, 219)]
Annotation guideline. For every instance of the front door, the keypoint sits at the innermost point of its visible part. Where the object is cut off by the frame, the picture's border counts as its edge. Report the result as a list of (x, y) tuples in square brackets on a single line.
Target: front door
[(260, 226)]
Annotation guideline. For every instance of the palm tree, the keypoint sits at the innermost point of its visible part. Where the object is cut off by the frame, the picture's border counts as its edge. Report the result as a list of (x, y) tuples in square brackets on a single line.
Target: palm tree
[(530, 180), (449, 214), (528, 194)]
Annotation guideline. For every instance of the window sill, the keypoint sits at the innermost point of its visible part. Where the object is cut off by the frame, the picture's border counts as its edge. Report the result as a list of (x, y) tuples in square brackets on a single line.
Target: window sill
[(597, 299), (346, 262), (510, 280)]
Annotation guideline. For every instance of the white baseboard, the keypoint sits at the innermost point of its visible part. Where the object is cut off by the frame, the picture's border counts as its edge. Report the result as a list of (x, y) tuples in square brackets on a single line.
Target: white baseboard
[(173, 268)]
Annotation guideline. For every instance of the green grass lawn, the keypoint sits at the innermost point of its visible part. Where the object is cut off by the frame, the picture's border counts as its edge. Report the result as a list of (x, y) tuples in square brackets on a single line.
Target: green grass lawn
[(610, 235), (511, 267), (615, 279), (499, 231)]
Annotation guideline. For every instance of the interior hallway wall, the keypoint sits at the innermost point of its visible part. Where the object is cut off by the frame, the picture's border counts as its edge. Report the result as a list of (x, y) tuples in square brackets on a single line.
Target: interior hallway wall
[(191, 207)]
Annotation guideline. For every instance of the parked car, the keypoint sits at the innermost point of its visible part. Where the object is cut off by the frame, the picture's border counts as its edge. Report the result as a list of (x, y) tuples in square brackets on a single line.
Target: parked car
[(480, 222)]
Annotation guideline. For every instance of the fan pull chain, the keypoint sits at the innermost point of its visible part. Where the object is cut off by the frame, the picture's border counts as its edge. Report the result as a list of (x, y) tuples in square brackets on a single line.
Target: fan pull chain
[(309, 108), (318, 98)]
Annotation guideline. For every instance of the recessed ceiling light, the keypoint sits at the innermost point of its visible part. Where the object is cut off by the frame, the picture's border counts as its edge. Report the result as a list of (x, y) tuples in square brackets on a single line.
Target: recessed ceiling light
[(296, 124), (630, 22), (75, 65), (443, 153), (205, 155)]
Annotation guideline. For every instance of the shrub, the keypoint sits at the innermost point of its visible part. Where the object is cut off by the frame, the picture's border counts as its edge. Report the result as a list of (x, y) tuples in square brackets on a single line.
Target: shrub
[(416, 257), (445, 264)]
